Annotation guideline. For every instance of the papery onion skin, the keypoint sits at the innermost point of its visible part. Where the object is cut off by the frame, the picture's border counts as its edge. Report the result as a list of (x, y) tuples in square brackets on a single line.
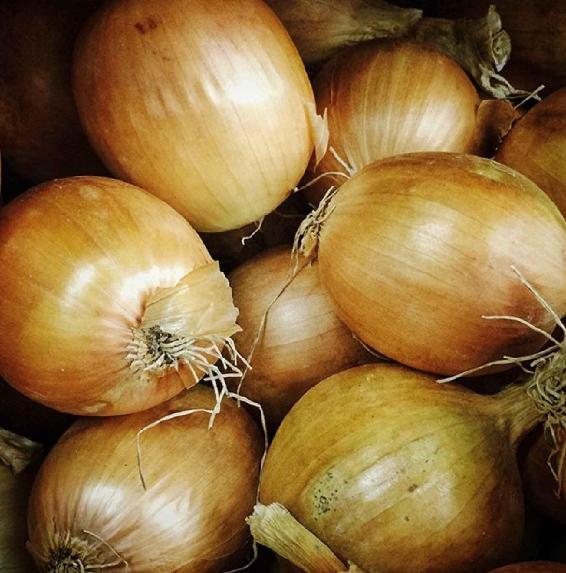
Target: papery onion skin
[(533, 567), (40, 133), (205, 104), (303, 341), (201, 483), (536, 147), (420, 247), (82, 258), (397, 473), (388, 97)]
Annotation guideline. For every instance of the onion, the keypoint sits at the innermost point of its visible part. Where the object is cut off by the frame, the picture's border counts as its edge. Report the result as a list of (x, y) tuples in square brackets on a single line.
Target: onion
[(536, 147), (88, 507), (394, 473), (110, 300), (205, 104), (303, 341), (40, 133), (389, 97), (417, 249), (533, 567)]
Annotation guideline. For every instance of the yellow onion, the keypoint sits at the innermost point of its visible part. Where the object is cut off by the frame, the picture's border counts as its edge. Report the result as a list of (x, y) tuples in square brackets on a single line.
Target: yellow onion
[(418, 249), (393, 472), (389, 97), (110, 301), (205, 104), (303, 341), (540, 483), (40, 133), (89, 509), (536, 147), (533, 567)]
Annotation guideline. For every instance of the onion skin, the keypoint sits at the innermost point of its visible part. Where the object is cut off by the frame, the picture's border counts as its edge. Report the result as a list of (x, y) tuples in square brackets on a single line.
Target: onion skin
[(388, 97), (533, 567), (425, 480), (200, 484), (40, 133), (85, 257), (197, 102), (536, 147), (410, 239), (303, 341)]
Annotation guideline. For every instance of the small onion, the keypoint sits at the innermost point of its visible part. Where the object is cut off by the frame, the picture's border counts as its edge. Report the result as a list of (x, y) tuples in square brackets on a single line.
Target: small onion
[(533, 567), (303, 341), (417, 249), (40, 132), (204, 103), (389, 97), (110, 301), (88, 508), (394, 473), (536, 147)]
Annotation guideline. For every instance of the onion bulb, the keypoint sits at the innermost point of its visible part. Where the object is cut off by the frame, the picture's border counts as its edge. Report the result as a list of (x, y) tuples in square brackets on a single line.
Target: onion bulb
[(303, 341), (533, 567), (40, 132), (418, 249), (88, 508), (205, 104), (536, 147), (389, 97), (110, 301), (394, 473)]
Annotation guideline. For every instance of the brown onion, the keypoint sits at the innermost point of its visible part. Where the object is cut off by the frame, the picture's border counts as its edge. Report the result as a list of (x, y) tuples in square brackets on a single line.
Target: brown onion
[(303, 341), (40, 133), (394, 473), (417, 249), (533, 567), (88, 507), (205, 104), (110, 301), (536, 147)]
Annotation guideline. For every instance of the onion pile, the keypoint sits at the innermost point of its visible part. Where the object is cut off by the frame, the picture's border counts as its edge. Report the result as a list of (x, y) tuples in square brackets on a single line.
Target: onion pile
[(109, 298), (303, 341), (205, 104), (394, 473), (410, 240), (89, 510)]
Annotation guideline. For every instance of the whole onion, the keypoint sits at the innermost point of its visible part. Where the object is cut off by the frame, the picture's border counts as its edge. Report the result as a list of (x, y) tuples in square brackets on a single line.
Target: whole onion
[(536, 147), (89, 510), (393, 472), (205, 104), (417, 249), (110, 302)]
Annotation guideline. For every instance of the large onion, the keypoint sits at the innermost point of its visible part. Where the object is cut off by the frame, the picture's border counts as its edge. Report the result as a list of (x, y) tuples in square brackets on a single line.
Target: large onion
[(389, 97), (205, 103), (303, 341), (40, 133), (88, 507), (110, 301), (536, 147), (394, 473), (418, 248)]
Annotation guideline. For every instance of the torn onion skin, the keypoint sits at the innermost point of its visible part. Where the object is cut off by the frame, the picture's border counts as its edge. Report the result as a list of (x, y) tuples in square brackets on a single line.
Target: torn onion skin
[(419, 248), (426, 480), (206, 104), (201, 483), (91, 265)]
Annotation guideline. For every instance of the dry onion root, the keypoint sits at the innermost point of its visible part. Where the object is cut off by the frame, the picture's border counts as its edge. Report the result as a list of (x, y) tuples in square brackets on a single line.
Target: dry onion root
[(111, 302), (425, 479), (89, 510)]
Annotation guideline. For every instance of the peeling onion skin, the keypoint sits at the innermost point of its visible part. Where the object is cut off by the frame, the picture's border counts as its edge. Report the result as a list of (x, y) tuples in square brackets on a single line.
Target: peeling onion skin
[(388, 97), (80, 259), (303, 341), (205, 104), (418, 248), (536, 147), (201, 484), (425, 480)]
